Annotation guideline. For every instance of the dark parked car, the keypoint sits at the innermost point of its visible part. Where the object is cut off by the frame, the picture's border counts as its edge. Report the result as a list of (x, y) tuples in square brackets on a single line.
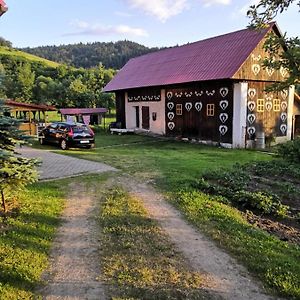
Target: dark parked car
[(67, 135)]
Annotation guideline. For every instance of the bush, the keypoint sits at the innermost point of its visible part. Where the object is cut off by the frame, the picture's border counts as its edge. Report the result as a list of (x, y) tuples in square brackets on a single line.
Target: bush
[(290, 150)]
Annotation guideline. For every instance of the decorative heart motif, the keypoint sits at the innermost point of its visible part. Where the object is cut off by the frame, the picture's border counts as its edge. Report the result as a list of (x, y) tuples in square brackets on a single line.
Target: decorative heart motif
[(223, 117), (251, 105), (170, 105), (251, 118), (171, 125), (283, 105), (270, 71), (269, 105), (224, 104), (284, 94), (256, 58), (223, 129), (208, 93), (171, 116), (199, 94), (188, 106), (255, 69), (283, 71), (283, 128), (269, 97), (251, 130), (198, 106), (169, 95), (188, 95), (283, 117), (252, 93), (224, 91)]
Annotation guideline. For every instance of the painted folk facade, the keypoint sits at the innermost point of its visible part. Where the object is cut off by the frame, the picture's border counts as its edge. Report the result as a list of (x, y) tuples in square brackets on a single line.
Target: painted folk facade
[(226, 112)]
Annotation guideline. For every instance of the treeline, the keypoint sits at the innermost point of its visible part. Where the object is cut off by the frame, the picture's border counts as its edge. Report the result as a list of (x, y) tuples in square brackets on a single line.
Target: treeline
[(110, 55), (63, 86)]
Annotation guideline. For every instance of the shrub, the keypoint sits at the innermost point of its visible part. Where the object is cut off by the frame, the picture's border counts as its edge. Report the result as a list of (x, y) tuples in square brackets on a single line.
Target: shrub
[(290, 150)]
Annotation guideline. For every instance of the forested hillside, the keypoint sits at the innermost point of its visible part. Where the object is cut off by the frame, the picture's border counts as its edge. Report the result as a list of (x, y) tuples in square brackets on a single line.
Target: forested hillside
[(31, 79), (110, 55)]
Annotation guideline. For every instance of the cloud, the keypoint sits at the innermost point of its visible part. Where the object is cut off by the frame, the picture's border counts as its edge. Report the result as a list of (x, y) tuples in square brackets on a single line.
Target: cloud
[(84, 28), (161, 9), (208, 3)]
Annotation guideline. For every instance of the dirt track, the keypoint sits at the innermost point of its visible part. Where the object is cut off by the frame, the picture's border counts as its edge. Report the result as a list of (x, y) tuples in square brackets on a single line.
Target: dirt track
[(75, 257)]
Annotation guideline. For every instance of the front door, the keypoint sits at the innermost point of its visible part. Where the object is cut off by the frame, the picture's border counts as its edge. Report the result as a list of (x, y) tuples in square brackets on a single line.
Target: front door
[(145, 117)]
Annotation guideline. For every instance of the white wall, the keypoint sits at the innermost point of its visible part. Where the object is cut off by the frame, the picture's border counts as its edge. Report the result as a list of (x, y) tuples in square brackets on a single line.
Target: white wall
[(158, 126), (290, 112), (239, 114)]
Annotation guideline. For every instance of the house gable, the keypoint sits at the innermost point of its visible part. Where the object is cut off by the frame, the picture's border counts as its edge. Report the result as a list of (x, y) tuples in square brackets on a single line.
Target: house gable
[(252, 68)]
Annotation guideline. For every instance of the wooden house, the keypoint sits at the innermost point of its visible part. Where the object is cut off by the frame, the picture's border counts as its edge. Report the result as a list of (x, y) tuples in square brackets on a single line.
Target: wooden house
[(212, 90), (32, 115)]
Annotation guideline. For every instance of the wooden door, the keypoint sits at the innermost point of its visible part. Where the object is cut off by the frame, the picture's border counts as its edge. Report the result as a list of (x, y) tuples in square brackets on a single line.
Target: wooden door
[(145, 117)]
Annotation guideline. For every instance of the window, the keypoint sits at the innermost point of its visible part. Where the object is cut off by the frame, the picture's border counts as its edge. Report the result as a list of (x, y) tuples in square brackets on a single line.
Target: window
[(260, 105), (276, 104), (179, 109), (210, 110)]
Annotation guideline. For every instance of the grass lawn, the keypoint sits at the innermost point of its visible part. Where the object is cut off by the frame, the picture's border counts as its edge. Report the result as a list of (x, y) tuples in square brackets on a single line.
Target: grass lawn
[(25, 240), (170, 164)]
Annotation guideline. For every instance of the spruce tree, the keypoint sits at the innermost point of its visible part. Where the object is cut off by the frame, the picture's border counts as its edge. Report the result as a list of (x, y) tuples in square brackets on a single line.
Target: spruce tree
[(15, 171)]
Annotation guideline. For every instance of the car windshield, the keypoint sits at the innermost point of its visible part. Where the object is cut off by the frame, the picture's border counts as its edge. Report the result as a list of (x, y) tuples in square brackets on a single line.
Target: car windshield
[(80, 129)]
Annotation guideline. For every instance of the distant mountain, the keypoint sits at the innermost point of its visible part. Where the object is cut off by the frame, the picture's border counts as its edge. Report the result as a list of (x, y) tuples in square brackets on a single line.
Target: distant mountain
[(111, 55)]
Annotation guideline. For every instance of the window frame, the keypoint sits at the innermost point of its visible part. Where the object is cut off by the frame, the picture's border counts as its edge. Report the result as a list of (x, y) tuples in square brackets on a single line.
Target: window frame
[(210, 110), (260, 104), (178, 109), (276, 104)]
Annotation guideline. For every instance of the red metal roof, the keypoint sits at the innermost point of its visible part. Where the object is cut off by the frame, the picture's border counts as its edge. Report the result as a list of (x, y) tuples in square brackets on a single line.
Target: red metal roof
[(41, 107), (82, 111), (214, 58), (3, 7)]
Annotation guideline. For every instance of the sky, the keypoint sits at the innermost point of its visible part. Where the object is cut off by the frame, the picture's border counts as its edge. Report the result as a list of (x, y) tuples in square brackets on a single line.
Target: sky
[(153, 23)]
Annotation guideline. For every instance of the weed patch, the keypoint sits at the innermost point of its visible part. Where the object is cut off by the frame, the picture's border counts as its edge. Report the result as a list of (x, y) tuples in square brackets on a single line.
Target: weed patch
[(138, 259)]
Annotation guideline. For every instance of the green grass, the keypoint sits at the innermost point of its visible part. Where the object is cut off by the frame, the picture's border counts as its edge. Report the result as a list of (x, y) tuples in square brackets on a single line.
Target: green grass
[(23, 55), (137, 258), (167, 163), (275, 262), (25, 240), (175, 166)]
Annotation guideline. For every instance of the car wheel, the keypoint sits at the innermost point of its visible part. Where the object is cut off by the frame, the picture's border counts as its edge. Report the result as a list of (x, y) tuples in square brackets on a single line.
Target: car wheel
[(63, 145)]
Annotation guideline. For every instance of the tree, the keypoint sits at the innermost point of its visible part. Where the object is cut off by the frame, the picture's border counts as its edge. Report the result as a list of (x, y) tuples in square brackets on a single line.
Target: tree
[(15, 171), (26, 79), (262, 14)]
